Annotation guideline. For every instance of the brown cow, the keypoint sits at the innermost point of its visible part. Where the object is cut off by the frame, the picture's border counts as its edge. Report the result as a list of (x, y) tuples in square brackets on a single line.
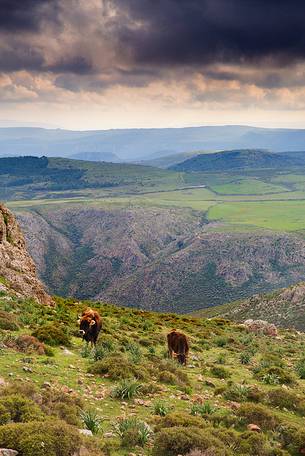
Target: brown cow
[(90, 324), (178, 346)]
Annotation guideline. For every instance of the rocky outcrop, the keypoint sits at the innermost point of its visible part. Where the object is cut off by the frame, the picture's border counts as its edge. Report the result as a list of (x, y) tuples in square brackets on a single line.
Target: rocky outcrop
[(17, 269)]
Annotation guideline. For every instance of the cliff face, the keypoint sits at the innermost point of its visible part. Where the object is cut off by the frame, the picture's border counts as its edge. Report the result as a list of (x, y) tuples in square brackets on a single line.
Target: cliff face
[(17, 269)]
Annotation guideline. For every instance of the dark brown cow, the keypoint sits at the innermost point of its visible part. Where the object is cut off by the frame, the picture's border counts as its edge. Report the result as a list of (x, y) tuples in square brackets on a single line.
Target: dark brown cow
[(90, 324), (178, 346)]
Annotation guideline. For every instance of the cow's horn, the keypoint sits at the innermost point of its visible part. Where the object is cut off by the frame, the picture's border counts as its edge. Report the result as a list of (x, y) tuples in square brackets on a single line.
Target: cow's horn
[(93, 322)]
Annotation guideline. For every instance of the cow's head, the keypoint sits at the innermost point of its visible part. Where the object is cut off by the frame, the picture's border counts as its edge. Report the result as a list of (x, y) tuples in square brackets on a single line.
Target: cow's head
[(86, 322), (181, 357)]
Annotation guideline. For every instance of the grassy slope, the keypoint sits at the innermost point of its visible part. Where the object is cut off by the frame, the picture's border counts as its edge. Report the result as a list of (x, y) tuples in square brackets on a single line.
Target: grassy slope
[(140, 336)]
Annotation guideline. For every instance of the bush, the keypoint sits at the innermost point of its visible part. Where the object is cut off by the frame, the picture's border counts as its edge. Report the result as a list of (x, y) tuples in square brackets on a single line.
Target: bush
[(219, 372), (67, 412), (300, 368), (118, 367), (27, 344), (126, 389), (18, 409), (170, 372), (245, 358), (52, 334), (275, 375), (8, 321), (221, 359), (132, 432), (181, 440), (257, 414), (161, 409), (237, 393), (91, 420), (180, 419), (283, 398), (202, 409), (220, 341), (47, 438), (254, 444)]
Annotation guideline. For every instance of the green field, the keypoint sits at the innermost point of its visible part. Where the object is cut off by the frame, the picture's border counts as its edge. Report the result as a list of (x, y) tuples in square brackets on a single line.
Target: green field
[(282, 215), (247, 187)]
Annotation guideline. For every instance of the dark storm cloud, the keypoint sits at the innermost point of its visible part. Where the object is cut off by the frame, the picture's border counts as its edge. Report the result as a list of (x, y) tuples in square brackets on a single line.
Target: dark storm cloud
[(203, 31), (26, 15), (92, 45)]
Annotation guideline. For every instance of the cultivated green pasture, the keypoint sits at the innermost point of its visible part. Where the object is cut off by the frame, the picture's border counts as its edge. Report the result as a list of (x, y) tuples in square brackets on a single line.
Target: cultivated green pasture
[(248, 187), (281, 215)]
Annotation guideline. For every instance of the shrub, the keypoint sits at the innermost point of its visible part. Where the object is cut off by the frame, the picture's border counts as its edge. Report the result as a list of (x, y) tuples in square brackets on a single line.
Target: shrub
[(220, 341), (48, 438), (52, 334), (104, 348), (257, 414), (126, 389), (221, 359), (254, 444), (91, 420), (181, 419), (167, 377), (27, 344), (132, 432), (67, 412), (168, 366), (237, 392), (181, 440), (19, 409), (245, 357), (8, 321), (202, 409), (292, 438), (219, 372), (161, 409), (283, 398), (118, 367), (300, 368), (275, 375), (134, 352)]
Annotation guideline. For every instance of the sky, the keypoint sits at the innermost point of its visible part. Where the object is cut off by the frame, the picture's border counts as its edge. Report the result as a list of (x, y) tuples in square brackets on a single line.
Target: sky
[(99, 64)]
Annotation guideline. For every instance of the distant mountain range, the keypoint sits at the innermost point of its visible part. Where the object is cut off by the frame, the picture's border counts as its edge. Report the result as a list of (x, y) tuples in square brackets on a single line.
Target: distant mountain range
[(144, 143), (240, 159)]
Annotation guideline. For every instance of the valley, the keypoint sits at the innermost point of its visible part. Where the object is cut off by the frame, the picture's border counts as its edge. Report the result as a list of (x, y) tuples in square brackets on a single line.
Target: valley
[(164, 240)]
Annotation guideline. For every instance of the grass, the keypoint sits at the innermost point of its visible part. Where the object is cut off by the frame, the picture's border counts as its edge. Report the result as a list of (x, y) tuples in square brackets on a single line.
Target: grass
[(284, 216), (247, 187), (203, 401)]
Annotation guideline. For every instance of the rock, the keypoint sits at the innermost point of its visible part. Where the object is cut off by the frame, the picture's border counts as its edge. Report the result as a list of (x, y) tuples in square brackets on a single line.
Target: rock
[(16, 266), (67, 352), (6, 452), (234, 405), (27, 369), (85, 432), (254, 428), (46, 385), (261, 327)]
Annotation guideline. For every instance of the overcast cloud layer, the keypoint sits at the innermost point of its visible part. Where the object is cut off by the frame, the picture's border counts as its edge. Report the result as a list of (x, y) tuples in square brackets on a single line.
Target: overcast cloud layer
[(109, 60)]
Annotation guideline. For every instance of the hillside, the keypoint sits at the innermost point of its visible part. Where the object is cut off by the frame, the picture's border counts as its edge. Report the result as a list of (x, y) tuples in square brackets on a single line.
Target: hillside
[(238, 160), (285, 307), (156, 258), (240, 394), (29, 177), (17, 269), (142, 143)]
